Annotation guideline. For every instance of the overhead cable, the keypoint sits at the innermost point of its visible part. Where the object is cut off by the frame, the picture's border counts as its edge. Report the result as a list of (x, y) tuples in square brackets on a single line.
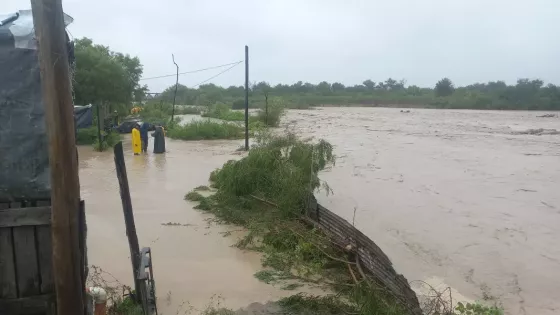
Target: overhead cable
[(194, 71)]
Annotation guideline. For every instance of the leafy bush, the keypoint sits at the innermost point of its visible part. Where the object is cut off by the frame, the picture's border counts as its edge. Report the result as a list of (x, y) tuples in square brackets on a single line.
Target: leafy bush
[(85, 136), (88, 136), (187, 110), (477, 309), (272, 113), (109, 141), (238, 104), (223, 112), (157, 114), (206, 130), (281, 169)]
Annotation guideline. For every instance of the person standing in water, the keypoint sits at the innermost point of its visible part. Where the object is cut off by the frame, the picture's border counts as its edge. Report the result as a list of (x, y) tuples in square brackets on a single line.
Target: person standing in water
[(159, 140), (136, 141), (144, 137)]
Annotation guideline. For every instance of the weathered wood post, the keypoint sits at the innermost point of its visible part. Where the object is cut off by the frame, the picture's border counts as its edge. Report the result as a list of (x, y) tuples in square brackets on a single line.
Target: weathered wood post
[(48, 20), (128, 218)]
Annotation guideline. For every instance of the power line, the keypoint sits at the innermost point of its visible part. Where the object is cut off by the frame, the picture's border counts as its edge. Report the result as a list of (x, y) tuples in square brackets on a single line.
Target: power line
[(235, 64), (194, 71)]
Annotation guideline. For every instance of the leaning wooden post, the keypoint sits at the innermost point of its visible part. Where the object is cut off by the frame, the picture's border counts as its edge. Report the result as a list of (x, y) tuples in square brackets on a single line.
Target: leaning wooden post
[(128, 217), (48, 20)]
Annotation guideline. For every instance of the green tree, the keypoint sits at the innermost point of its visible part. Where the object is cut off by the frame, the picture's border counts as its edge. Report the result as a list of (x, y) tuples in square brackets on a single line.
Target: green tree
[(444, 87), (369, 84), (105, 77), (324, 88), (337, 87)]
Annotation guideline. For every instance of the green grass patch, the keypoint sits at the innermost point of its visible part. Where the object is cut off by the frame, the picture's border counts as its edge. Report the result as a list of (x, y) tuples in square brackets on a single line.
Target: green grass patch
[(125, 306), (88, 136), (223, 112), (194, 196), (206, 130), (187, 110), (202, 188)]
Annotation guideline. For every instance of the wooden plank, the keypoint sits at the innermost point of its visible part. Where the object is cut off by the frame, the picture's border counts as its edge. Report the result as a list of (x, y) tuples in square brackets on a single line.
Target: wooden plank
[(8, 286), (40, 304), (25, 250), (25, 216), (44, 251)]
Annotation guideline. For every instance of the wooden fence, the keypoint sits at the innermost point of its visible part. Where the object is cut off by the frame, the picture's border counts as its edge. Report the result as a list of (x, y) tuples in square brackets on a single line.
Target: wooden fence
[(368, 255), (26, 272)]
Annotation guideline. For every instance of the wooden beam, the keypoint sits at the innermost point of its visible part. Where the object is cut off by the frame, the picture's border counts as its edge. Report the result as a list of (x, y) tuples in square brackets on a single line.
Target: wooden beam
[(48, 19), (25, 216)]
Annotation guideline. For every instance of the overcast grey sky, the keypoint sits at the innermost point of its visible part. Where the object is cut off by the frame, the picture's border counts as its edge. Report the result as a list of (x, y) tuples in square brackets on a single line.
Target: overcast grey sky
[(333, 40)]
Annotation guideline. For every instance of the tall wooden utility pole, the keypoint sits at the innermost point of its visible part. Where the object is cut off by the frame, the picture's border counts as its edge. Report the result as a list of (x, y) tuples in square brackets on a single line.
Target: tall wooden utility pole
[(246, 98), (48, 20)]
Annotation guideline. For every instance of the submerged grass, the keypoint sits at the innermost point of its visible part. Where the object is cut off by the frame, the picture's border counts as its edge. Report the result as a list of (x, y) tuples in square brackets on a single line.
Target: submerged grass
[(206, 130)]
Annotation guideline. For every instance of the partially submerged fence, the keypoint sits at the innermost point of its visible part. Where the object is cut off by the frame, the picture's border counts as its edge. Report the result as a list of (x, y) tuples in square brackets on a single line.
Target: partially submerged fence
[(369, 256), (26, 271)]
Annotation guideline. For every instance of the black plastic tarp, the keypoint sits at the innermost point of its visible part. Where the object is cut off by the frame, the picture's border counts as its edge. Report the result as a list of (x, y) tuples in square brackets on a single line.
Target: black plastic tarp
[(24, 164), (83, 116)]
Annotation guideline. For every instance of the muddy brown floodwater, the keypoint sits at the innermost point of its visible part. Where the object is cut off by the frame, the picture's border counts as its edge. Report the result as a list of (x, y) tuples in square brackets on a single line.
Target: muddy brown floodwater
[(455, 198), (462, 198), (193, 264)]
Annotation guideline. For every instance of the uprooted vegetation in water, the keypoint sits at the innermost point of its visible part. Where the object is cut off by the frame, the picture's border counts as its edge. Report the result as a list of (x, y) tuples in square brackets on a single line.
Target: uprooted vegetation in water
[(267, 192)]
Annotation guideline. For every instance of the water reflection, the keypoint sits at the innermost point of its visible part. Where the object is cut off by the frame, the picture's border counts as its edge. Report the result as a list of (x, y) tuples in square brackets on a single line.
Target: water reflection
[(160, 160)]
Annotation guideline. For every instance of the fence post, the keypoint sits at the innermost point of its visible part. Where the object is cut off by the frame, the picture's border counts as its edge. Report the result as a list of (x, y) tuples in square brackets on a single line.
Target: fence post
[(128, 217)]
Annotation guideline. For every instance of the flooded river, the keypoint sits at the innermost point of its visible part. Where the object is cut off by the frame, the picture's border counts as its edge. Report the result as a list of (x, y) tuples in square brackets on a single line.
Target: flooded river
[(453, 197), (457, 197)]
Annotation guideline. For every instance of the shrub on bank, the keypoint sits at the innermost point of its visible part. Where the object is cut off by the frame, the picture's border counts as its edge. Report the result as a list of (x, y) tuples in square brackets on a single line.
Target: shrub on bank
[(85, 136), (206, 130), (272, 112), (223, 112), (88, 136)]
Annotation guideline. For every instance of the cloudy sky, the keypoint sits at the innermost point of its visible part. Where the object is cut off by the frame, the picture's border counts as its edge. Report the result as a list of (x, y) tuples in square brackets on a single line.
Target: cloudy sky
[(333, 40)]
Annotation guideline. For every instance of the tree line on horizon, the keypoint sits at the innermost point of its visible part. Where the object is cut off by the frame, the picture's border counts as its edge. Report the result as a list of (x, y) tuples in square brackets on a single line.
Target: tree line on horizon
[(112, 79), (525, 94)]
